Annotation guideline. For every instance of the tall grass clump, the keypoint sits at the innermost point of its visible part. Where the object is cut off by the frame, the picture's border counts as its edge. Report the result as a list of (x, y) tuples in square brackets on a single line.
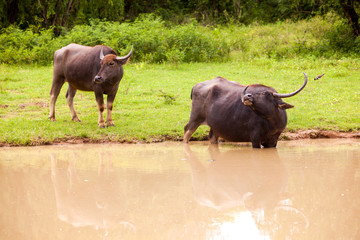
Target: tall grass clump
[(322, 36), (152, 39)]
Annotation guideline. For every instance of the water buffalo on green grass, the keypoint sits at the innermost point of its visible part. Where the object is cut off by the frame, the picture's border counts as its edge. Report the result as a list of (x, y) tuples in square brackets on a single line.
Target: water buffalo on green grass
[(96, 69), (238, 113)]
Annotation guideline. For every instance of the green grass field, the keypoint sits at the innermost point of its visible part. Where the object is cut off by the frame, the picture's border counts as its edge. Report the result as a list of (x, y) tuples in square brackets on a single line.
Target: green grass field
[(153, 101)]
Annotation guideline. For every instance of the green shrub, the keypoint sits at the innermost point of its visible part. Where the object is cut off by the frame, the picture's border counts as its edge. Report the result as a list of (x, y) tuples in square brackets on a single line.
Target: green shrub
[(153, 41), (26, 46), (328, 36), (156, 41)]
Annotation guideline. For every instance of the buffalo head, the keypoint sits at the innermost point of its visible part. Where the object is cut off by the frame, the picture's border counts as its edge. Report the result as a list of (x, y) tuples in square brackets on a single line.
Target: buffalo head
[(111, 66), (265, 100)]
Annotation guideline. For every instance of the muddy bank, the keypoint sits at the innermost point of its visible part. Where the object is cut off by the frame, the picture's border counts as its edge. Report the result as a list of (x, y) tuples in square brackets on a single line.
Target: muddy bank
[(314, 134), (285, 136)]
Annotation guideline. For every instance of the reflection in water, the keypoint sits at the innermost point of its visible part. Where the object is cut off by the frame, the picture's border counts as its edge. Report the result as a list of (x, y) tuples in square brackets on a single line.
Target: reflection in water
[(249, 186), (87, 199), (172, 191)]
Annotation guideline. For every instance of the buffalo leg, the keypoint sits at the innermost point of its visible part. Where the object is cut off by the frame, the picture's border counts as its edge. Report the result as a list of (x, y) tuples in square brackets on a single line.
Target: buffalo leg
[(255, 138), (190, 128), (70, 94), (101, 107), (212, 137), (256, 145), (271, 141), (109, 107), (267, 145), (57, 84)]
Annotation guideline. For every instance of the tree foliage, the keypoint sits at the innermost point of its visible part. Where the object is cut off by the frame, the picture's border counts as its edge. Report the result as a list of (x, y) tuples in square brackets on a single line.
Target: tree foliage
[(68, 13), (349, 9), (59, 13)]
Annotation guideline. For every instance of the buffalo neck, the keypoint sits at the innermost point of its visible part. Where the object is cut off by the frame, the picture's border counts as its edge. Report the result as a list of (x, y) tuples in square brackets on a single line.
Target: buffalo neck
[(277, 120)]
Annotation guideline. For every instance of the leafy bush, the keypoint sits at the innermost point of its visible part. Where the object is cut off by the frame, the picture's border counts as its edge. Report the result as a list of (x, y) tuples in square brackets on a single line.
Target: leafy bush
[(328, 36), (18, 46), (156, 41), (153, 41)]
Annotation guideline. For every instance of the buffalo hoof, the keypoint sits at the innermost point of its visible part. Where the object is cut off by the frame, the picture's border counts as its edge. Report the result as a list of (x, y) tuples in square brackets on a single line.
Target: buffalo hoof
[(53, 119), (101, 125), (76, 119), (110, 124)]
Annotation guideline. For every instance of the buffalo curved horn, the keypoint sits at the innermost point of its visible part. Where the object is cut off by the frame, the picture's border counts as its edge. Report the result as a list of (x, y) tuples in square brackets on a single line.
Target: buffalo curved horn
[(243, 93), (127, 56), (295, 210), (279, 95), (101, 54), (245, 90)]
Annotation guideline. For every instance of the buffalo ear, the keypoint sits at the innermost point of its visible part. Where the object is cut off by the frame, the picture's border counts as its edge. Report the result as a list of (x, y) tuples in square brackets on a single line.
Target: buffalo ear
[(285, 106)]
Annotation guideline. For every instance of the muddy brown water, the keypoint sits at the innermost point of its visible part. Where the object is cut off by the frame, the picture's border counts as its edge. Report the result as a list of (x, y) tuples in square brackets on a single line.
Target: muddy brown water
[(308, 189)]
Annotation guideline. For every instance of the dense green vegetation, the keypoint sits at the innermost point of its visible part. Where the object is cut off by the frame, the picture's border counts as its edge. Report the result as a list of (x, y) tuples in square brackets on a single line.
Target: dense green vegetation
[(152, 41), (156, 41), (68, 13)]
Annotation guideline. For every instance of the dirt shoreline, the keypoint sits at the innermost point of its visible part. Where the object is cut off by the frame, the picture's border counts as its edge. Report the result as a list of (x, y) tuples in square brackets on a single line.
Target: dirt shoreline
[(314, 134), (285, 136)]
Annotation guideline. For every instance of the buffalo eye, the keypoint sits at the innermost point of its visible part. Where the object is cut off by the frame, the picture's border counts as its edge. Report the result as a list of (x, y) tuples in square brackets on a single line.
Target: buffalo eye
[(269, 95), (111, 63)]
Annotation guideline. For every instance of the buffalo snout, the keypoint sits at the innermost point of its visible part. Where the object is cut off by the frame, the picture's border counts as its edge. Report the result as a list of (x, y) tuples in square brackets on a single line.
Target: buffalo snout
[(248, 99), (98, 79)]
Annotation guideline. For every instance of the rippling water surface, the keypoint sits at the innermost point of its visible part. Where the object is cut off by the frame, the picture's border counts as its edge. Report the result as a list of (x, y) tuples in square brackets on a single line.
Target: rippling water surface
[(301, 190)]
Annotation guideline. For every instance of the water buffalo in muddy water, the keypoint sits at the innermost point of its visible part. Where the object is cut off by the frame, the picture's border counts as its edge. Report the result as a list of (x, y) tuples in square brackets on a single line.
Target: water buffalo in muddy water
[(96, 69), (238, 113)]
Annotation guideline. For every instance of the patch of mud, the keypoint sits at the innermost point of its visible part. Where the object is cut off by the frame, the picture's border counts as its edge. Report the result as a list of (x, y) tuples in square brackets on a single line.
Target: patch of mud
[(37, 104), (314, 134), (4, 106)]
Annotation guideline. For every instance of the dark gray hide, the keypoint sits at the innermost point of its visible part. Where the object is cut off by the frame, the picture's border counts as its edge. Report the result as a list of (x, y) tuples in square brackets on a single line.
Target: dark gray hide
[(96, 69), (237, 113)]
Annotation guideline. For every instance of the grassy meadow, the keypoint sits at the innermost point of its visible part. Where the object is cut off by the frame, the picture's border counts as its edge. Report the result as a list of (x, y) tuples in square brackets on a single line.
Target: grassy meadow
[(153, 101)]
